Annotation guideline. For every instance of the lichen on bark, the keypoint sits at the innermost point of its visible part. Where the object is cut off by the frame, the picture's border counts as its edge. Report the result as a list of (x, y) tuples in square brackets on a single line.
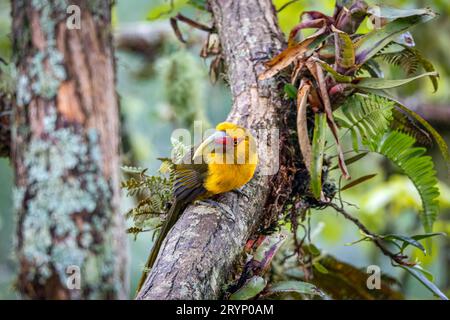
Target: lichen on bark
[(65, 158)]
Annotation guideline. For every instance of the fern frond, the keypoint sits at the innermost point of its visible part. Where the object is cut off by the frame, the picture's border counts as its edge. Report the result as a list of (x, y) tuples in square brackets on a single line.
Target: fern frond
[(372, 67), (409, 59), (399, 148), (405, 59), (368, 116), (403, 123), (157, 195)]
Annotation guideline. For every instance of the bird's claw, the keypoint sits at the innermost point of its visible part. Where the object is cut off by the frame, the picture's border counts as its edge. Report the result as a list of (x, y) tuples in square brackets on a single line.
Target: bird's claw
[(241, 193), (226, 209)]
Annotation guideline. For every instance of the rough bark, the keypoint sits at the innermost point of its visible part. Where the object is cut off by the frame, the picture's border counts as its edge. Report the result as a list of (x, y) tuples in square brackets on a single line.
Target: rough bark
[(65, 151), (200, 252), (5, 123)]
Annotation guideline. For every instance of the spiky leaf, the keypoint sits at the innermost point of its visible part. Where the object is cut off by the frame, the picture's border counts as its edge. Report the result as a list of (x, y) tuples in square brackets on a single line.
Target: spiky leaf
[(379, 83), (372, 43), (395, 13)]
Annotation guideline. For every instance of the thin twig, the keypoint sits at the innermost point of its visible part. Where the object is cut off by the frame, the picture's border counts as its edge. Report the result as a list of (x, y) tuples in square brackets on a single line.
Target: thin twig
[(396, 257), (176, 30), (192, 23), (188, 21), (287, 4)]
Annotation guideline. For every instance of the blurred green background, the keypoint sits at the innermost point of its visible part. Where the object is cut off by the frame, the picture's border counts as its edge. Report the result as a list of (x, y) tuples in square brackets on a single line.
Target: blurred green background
[(169, 86)]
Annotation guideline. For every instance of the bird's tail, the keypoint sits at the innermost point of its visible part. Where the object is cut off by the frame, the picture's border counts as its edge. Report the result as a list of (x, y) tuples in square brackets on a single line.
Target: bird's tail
[(172, 217)]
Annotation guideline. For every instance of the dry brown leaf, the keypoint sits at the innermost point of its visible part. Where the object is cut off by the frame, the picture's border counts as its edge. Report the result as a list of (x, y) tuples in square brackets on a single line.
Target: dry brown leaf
[(287, 56), (310, 64), (314, 101), (297, 69), (316, 23), (302, 128), (330, 118)]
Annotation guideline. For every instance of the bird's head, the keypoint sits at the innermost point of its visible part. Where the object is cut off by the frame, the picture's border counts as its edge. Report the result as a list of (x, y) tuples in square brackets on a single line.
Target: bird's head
[(235, 143)]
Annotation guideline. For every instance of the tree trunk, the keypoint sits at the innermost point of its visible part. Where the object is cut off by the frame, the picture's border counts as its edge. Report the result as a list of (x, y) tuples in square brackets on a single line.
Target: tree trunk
[(200, 253), (65, 150)]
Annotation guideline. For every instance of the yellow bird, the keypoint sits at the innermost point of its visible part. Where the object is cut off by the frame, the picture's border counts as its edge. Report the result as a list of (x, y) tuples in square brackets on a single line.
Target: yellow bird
[(223, 162)]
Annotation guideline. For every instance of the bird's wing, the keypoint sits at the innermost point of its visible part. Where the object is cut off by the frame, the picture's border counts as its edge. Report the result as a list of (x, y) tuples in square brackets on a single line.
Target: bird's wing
[(189, 179)]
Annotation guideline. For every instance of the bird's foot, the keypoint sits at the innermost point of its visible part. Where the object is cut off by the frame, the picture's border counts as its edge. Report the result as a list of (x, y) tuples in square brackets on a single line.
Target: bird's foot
[(223, 207), (241, 193)]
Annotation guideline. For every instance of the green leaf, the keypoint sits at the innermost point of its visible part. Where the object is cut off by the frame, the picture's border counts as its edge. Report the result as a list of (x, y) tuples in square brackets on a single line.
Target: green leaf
[(199, 4), (295, 286), (372, 43), (414, 240), (345, 53), (406, 241), (428, 235), (437, 137), (425, 272), (318, 149), (312, 249), (394, 13), (336, 75), (358, 181), (424, 236), (250, 289), (166, 9), (379, 83), (366, 115), (427, 66), (319, 267), (418, 274), (371, 119), (290, 90)]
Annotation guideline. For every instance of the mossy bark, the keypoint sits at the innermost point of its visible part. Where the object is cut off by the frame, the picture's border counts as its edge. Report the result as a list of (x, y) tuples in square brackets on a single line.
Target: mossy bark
[(199, 255), (65, 151)]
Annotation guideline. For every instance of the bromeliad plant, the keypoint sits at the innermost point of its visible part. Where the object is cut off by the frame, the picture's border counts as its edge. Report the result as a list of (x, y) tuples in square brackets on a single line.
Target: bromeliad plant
[(336, 73), (336, 79)]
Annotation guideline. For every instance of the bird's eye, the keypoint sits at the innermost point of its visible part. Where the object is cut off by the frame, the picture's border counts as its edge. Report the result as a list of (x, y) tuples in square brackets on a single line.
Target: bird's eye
[(235, 141)]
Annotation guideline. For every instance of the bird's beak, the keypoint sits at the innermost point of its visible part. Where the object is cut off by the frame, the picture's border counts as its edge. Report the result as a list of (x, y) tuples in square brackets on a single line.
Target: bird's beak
[(209, 142)]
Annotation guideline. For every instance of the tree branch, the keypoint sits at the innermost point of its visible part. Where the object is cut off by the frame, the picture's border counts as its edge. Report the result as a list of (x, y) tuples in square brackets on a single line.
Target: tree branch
[(395, 257), (148, 38), (199, 253)]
